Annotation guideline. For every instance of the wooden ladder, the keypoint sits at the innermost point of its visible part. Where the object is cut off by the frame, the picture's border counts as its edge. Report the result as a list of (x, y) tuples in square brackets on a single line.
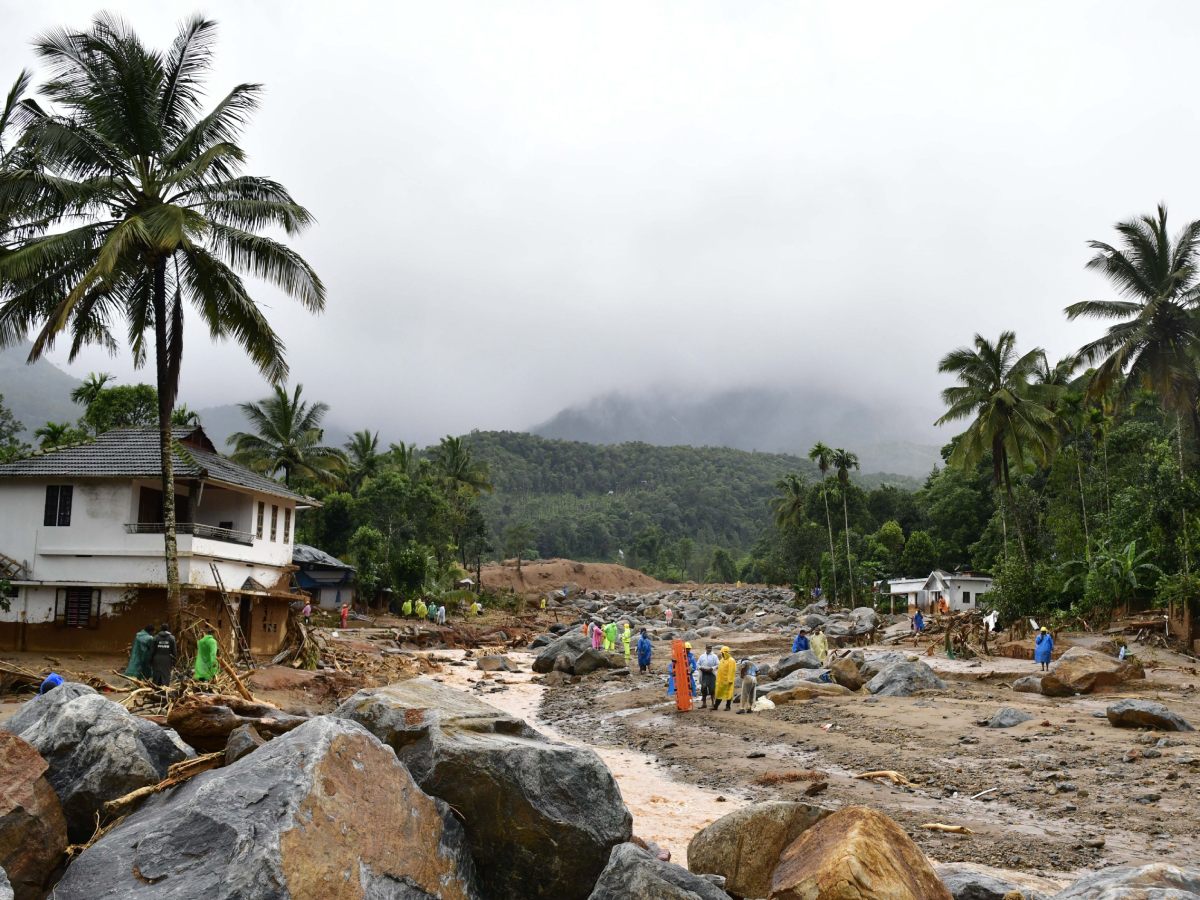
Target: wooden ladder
[(11, 569), (235, 620)]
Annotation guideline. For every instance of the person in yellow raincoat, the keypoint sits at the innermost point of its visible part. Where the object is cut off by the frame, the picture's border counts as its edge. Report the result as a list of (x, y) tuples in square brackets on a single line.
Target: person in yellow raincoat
[(421, 609), (726, 672), (406, 609), (819, 644), (627, 639)]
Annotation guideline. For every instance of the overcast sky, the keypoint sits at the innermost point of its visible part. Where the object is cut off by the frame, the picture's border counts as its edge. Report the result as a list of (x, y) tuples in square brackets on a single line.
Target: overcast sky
[(522, 205)]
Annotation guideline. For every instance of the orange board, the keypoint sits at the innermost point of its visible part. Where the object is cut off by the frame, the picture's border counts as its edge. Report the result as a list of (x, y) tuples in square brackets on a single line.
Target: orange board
[(683, 683)]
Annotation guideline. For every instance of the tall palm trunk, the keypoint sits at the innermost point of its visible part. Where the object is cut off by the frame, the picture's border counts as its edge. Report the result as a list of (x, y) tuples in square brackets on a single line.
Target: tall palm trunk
[(1087, 540), (165, 366), (849, 566), (1187, 567), (829, 525), (1017, 521)]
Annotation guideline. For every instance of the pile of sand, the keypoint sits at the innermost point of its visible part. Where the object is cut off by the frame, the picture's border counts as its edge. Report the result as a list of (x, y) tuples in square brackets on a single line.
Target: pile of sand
[(537, 578)]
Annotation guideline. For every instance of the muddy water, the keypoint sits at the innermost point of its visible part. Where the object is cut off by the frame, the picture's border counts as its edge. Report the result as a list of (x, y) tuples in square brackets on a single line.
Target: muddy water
[(664, 810)]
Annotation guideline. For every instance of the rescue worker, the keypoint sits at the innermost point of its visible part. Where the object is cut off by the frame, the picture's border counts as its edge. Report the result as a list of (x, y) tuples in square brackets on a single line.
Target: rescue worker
[(206, 657), (801, 641), (819, 644), (610, 636), (441, 614), (1043, 646), (626, 640), (431, 612), (406, 608), (749, 673), (163, 659), (345, 614), (645, 650), (691, 663), (672, 680), (139, 654), (421, 609), (918, 622), (597, 635), (707, 664), (726, 671)]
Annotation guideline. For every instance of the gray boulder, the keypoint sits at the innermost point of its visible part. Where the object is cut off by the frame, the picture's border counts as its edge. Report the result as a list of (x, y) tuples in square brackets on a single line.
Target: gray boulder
[(325, 810), (1145, 714), (1008, 717), (542, 640), (566, 648), (6, 891), (494, 664), (242, 741), (872, 667), (96, 750), (1045, 684), (633, 874), (903, 679), (966, 882), (590, 660), (541, 817), (805, 659), (1157, 881)]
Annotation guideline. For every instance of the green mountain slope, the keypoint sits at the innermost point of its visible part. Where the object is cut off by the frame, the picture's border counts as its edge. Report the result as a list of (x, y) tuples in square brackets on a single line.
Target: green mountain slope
[(37, 393)]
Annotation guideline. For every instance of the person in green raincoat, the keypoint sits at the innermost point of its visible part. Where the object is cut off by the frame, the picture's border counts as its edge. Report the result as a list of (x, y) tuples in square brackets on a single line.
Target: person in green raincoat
[(610, 636), (626, 639), (206, 657), (421, 609), (406, 609), (139, 654)]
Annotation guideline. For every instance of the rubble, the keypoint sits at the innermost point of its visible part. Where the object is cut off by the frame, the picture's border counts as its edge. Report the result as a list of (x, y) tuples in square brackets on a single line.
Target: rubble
[(633, 873)]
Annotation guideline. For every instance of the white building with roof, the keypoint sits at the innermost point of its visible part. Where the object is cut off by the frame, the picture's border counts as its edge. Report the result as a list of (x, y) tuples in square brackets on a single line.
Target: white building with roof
[(940, 590), (81, 542)]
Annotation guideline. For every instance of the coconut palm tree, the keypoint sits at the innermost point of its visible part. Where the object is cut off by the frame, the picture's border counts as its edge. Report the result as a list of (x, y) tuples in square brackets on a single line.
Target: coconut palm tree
[(362, 452), (87, 392), (823, 457), (453, 460), (288, 439), (994, 392), (1154, 343), (185, 417), (12, 158), (137, 208), (844, 461), (404, 457), (789, 506), (55, 434)]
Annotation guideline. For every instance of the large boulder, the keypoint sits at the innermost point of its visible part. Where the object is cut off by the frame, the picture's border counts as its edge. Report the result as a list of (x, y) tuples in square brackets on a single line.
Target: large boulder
[(1008, 717), (970, 882), (1157, 881), (1045, 684), (1145, 714), (205, 721), (568, 647), (96, 750), (541, 817), (1084, 671), (804, 659), (903, 679), (744, 846), (33, 832), (806, 690), (590, 660), (846, 673), (633, 874), (323, 811), (855, 854), (876, 664)]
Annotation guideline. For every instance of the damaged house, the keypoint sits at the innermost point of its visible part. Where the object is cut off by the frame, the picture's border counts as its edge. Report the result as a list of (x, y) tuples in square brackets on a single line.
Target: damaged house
[(81, 543)]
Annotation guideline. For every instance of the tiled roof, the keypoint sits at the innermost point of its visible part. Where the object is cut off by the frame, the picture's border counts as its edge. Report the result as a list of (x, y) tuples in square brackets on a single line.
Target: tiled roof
[(134, 453)]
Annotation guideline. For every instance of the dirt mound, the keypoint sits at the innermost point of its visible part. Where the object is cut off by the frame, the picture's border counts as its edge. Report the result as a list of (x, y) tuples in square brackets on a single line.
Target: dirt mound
[(537, 578)]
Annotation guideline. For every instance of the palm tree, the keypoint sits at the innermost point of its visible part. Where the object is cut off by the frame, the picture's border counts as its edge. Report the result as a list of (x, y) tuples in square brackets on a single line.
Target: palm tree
[(453, 460), (55, 434), (90, 388), (789, 506), (136, 206), (844, 461), (404, 457), (823, 457), (994, 389), (362, 451), (12, 158), (1154, 343), (287, 439), (184, 417)]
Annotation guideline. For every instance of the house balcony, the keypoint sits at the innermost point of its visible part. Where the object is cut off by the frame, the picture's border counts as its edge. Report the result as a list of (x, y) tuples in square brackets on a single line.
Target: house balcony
[(196, 529)]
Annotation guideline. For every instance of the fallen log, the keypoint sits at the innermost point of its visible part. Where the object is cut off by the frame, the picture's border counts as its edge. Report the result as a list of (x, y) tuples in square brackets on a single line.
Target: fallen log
[(894, 777), (947, 829), (177, 774)]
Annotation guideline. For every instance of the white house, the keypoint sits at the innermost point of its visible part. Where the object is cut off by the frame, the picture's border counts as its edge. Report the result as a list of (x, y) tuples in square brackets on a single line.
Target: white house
[(81, 540), (955, 591), (909, 593)]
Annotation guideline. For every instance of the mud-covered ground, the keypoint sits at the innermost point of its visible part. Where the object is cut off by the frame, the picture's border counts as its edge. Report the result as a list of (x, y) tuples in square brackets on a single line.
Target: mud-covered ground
[(1066, 791)]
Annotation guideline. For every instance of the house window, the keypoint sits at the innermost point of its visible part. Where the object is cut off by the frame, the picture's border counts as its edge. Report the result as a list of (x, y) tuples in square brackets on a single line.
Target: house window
[(58, 505), (77, 607), (287, 523), (262, 510), (274, 521), (966, 598)]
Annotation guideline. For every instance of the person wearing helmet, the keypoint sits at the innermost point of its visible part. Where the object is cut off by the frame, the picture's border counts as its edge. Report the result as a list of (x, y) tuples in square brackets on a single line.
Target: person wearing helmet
[(691, 664), (726, 671), (1043, 646)]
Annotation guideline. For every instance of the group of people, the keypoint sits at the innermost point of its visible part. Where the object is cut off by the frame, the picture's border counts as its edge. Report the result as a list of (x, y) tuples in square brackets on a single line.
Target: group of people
[(307, 611), (432, 612), (154, 651), (816, 642), (718, 677), (605, 637)]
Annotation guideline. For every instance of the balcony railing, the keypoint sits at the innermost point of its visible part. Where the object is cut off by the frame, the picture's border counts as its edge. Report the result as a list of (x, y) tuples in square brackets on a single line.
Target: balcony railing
[(196, 529)]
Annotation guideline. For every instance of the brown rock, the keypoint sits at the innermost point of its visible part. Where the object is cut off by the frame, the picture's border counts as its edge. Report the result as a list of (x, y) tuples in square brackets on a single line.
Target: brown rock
[(1084, 671), (744, 846), (807, 691), (33, 832), (205, 721), (846, 673), (855, 854)]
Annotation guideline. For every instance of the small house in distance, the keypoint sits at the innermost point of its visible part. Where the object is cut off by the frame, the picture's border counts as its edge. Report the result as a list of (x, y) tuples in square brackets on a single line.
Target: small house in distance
[(81, 543), (940, 591), (329, 580)]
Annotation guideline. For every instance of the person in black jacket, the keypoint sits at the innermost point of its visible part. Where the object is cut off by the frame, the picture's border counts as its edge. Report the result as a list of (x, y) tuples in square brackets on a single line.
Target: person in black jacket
[(163, 656)]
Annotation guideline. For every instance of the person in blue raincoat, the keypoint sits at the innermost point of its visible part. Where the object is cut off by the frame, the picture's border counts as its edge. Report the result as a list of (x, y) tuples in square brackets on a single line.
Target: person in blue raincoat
[(644, 651), (1043, 646), (801, 641), (691, 663)]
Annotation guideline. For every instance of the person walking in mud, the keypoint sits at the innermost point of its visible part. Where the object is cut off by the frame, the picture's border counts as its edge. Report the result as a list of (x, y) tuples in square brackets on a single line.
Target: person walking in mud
[(707, 664), (1043, 647)]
